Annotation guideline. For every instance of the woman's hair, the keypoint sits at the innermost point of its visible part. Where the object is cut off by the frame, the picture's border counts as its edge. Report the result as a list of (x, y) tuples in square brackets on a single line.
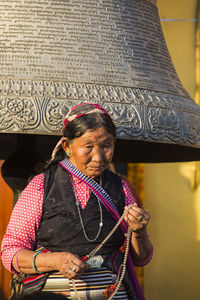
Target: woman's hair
[(79, 126), (93, 121)]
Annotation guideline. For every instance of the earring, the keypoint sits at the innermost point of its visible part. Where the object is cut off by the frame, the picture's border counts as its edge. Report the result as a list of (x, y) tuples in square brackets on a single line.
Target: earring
[(68, 153)]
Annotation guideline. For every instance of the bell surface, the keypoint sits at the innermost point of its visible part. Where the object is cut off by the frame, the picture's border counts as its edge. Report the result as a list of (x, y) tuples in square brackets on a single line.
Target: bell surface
[(56, 54)]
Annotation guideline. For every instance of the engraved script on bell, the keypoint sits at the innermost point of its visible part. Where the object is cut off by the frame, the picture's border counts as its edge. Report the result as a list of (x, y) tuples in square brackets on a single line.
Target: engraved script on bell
[(55, 54), (84, 41)]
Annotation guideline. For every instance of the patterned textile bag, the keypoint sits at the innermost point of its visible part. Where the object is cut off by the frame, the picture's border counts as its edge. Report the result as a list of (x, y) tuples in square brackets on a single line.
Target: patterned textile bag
[(91, 285)]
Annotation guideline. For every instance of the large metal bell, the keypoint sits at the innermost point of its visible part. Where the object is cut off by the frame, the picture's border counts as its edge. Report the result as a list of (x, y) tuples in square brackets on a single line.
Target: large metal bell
[(55, 54)]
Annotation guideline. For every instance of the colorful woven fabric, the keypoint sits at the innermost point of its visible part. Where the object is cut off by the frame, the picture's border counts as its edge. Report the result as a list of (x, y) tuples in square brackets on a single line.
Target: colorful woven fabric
[(91, 285)]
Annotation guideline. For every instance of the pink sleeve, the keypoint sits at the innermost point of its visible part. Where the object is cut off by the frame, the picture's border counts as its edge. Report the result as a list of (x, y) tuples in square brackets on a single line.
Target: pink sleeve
[(130, 199), (24, 222)]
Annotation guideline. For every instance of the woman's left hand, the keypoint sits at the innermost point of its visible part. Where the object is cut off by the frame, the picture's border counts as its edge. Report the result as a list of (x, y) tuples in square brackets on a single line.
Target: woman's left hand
[(137, 218)]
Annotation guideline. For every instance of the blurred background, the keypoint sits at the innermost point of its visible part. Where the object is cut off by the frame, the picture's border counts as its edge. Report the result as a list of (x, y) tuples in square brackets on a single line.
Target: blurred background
[(172, 192)]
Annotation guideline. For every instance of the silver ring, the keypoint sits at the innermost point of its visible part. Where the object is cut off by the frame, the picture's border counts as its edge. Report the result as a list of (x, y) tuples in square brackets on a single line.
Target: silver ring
[(139, 218), (69, 272), (74, 268)]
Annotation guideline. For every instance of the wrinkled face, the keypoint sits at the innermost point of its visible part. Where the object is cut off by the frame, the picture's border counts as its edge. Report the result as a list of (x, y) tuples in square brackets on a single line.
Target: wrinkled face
[(92, 152)]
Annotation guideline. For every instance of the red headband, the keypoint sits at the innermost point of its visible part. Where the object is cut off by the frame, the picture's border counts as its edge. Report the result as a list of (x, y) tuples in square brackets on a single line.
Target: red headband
[(83, 109)]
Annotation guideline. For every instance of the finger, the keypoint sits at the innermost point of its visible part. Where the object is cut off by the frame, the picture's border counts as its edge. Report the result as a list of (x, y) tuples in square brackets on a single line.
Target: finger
[(138, 220), (132, 218), (126, 209), (138, 213), (126, 219), (142, 219), (137, 209), (136, 217), (75, 273), (79, 263), (72, 271), (125, 214), (78, 270)]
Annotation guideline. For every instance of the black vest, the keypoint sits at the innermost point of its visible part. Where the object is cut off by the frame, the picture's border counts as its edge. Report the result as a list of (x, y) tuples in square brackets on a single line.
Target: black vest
[(60, 228)]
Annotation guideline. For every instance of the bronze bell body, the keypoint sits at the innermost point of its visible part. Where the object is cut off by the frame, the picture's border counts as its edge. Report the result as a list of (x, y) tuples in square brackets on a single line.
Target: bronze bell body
[(55, 54)]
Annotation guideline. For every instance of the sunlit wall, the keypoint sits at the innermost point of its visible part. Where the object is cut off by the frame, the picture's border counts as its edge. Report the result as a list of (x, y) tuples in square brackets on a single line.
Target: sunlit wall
[(172, 192)]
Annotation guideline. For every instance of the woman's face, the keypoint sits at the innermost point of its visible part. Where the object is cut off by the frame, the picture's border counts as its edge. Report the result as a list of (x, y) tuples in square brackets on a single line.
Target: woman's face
[(92, 152)]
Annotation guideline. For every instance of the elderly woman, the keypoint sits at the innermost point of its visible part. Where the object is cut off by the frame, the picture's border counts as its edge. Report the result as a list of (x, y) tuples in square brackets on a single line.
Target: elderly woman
[(76, 228)]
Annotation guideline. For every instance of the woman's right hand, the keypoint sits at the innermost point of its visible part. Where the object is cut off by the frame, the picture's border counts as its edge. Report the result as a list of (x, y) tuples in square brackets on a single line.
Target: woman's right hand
[(70, 265)]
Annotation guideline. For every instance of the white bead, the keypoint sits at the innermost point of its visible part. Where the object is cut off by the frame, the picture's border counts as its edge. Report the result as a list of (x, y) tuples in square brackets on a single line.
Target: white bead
[(100, 224)]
